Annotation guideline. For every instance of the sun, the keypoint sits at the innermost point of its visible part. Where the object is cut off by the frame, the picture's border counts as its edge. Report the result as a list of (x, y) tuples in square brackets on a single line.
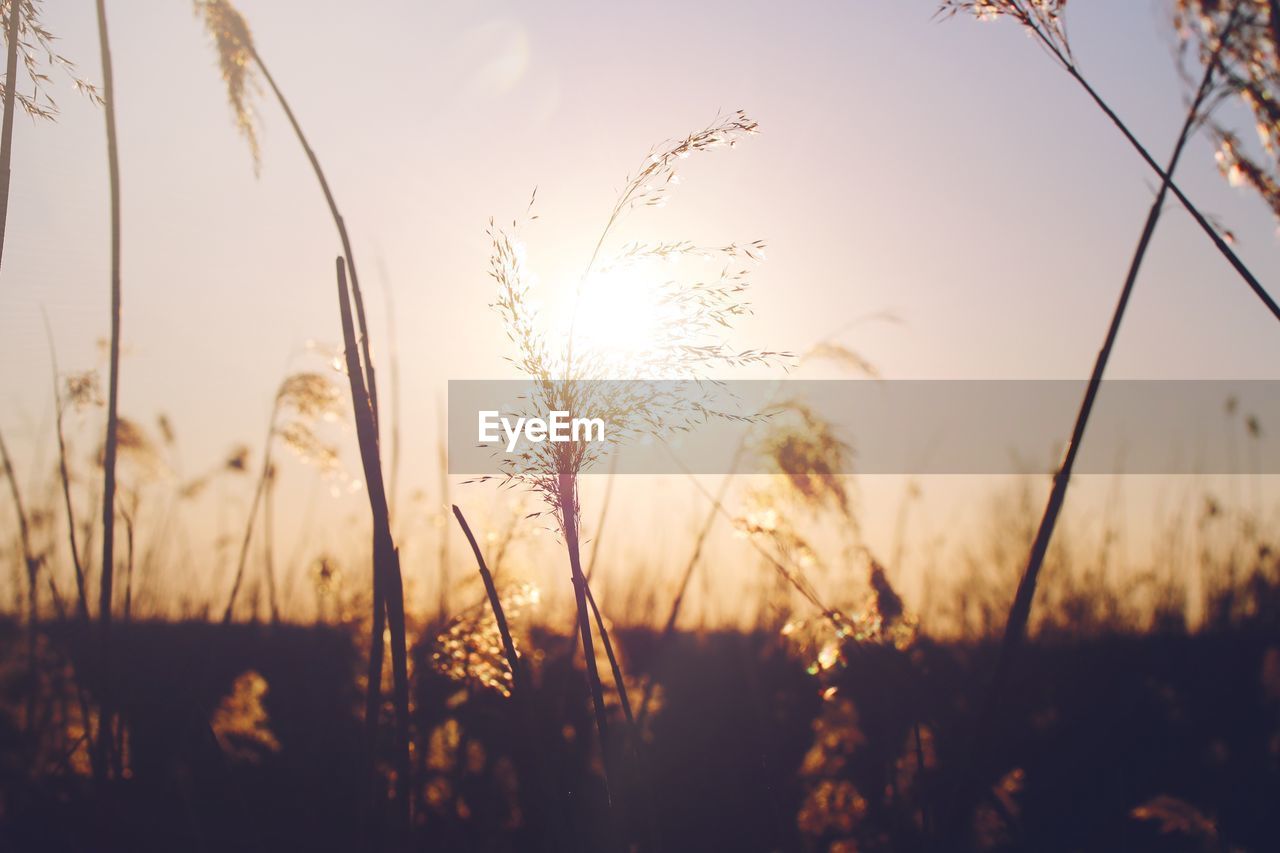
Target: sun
[(621, 316)]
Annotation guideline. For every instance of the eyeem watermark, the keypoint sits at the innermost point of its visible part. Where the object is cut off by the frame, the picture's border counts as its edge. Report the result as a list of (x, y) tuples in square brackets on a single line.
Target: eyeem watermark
[(557, 427)]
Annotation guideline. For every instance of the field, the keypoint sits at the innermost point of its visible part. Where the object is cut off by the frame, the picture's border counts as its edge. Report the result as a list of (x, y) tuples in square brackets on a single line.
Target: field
[(943, 520)]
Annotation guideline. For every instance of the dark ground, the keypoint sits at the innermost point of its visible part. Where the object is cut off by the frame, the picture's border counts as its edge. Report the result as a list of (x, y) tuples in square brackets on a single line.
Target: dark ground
[(744, 754)]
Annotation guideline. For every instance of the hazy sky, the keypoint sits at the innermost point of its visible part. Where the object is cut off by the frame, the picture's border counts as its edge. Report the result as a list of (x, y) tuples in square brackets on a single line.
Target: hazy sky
[(945, 171)]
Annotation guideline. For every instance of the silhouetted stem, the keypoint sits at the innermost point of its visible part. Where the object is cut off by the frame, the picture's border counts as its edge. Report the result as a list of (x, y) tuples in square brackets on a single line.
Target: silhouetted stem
[(82, 600), (269, 545), (604, 514), (1166, 175), (106, 711), (668, 629), (1019, 613), (386, 559), (1015, 628), (367, 373), (614, 668), (568, 500), (32, 567), (508, 644), (243, 560), (12, 30)]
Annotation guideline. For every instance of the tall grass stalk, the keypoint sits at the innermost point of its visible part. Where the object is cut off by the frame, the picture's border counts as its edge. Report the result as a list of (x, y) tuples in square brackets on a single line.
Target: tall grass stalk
[(1019, 614), (238, 56), (568, 501), (243, 559), (519, 687), (386, 558), (669, 627), (541, 796), (604, 515), (82, 598), (32, 564), (106, 711), (442, 555), (1052, 38), (12, 31)]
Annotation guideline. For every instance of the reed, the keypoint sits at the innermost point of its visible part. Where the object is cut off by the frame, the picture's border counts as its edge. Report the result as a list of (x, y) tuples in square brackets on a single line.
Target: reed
[(1016, 625), (1043, 19), (106, 710), (238, 60), (386, 558), (12, 28)]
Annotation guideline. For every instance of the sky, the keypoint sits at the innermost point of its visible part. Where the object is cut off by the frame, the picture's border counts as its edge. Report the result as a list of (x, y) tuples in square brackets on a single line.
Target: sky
[(942, 171)]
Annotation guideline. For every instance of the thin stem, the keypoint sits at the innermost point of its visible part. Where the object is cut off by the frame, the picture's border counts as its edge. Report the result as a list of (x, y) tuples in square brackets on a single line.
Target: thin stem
[(386, 559), (269, 544), (519, 688), (393, 350), (243, 559), (63, 474), (442, 556), (604, 514), (668, 629), (367, 372), (1015, 628), (1165, 175), (12, 32), (32, 565), (614, 668), (568, 501), (1019, 613), (106, 713)]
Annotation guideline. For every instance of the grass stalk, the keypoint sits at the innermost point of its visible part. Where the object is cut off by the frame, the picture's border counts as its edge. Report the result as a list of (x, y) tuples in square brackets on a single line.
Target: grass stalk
[(269, 544), (568, 505), (1020, 611), (32, 563), (243, 560), (386, 559), (604, 515), (106, 712), (82, 599), (669, 627), (519, 686), (614, 668), (13, 27), (442, 557), (1165, 174)]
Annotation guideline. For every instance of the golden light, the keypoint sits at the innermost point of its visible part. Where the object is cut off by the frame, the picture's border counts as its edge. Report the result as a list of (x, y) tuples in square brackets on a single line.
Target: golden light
[(621, 315)]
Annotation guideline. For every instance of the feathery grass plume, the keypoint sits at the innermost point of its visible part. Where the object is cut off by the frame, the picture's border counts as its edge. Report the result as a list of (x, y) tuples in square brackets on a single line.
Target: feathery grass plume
[(808, 453), (83, 390), (38, 55), (240, 722), (27, 40), (1043, 15), (303, 400), (1250, 67), (686, 343), (234, 45), (472, 648), (1043, 19)]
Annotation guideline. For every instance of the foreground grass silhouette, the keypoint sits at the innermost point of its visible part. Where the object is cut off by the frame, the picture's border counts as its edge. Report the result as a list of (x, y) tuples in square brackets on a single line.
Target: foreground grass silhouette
[(1160, 742)]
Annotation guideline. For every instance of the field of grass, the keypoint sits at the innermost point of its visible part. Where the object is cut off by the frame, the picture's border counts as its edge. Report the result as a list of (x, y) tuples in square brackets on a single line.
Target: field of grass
[(314, 641)]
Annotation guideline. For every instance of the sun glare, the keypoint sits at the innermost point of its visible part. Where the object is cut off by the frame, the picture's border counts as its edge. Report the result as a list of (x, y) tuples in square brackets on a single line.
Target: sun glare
[(620, 315)]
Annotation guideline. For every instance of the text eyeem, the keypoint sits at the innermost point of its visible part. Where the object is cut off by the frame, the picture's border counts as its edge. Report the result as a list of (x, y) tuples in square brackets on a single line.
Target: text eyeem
[(556, 427)]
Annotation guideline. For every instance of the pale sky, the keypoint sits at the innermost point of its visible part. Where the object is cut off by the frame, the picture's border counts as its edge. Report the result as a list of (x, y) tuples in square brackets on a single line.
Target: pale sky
[(945, 171)]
